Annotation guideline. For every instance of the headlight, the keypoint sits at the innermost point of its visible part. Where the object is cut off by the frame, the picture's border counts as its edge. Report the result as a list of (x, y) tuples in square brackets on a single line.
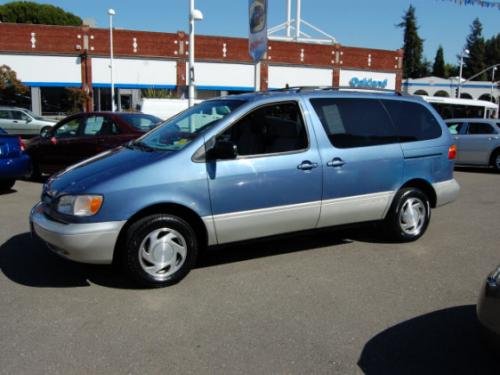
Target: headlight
[(79, 205)]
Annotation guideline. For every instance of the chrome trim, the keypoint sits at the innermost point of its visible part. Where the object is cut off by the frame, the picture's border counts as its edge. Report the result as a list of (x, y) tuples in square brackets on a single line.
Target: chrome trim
[(446, 191), (211, 232), (86, 243)]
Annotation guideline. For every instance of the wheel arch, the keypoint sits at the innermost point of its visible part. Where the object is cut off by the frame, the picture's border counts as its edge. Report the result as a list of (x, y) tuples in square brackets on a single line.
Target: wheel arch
[(179, 210), (425, 186), (494, 152)]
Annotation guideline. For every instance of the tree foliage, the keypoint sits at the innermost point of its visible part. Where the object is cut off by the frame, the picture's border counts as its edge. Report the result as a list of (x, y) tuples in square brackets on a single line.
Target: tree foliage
[(475, 61), (12, 91), (492, 53), (438, 68), (413, 46), (30, 12)]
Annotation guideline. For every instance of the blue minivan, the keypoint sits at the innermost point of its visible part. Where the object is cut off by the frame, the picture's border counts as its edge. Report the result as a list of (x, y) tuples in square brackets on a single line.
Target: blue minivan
[(246, 166)]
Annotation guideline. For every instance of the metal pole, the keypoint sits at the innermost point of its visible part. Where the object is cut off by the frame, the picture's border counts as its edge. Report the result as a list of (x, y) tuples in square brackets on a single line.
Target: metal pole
[(191, 53), (111, 13), (297, 21), (288, 17), (256, 78), (460, 75), (492, 82)]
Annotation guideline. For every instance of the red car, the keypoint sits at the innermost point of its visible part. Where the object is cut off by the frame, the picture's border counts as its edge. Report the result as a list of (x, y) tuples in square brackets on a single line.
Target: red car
[(83, 135)]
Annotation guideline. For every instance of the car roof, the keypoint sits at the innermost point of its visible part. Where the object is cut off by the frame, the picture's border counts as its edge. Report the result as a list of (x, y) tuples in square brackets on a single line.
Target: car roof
[(13, 107)]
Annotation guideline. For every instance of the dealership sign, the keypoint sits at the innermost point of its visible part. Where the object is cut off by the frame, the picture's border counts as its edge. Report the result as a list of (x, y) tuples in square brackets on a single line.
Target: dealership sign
[(367, 79), (257, 37)]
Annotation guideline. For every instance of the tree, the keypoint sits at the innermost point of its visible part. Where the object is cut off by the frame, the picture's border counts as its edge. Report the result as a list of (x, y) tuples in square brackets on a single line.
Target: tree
[(12, 91), (413, 45), (438, 68), (30, 12), (492, 51), (475, 62), (450, 70)]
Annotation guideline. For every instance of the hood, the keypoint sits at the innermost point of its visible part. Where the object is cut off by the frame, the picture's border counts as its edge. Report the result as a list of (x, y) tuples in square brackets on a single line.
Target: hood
[(99, 169)]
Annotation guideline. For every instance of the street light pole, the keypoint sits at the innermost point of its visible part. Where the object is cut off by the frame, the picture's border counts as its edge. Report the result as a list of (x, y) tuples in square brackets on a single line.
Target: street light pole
[(492, 82), (194, 15), (111, 13), (464, 52)]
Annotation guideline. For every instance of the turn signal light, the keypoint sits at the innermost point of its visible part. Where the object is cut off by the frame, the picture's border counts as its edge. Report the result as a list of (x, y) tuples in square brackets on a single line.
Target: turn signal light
[(452, 152), (22, 146)]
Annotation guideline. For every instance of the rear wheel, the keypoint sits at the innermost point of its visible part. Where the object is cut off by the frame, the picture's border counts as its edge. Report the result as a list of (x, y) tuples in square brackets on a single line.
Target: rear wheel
[(45, 130), (495, 160), (409, 215), (6, 185), (160, 250)]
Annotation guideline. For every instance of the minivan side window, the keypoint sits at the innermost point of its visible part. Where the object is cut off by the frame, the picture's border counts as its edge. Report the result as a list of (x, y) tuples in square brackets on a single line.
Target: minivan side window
[(480, 128), (271, 129), (413, 121), (455, 127), (355, 122)]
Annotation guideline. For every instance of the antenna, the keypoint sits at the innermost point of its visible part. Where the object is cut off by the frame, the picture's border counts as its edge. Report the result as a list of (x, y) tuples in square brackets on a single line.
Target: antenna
[(295, 24)]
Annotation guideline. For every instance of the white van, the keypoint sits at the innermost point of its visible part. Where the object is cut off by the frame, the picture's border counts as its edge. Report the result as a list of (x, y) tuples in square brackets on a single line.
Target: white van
[(164, 108)]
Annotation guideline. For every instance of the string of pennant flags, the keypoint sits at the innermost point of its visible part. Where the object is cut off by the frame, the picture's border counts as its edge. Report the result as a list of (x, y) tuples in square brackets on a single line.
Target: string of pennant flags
[(481, 3)]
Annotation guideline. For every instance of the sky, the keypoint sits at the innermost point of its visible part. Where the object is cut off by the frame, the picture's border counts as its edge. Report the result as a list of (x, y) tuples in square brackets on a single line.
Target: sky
[(356, 23)]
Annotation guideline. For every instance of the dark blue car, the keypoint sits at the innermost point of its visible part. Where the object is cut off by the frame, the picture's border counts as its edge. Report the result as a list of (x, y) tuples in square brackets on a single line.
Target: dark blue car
[(14, 163)]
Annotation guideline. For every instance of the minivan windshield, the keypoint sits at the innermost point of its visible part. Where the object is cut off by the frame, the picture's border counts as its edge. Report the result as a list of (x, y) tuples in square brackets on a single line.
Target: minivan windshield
[(177, 132)]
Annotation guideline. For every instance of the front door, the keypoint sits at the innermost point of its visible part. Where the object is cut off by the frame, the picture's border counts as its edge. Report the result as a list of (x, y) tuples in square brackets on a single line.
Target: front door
[(274, 184), (363, 160)]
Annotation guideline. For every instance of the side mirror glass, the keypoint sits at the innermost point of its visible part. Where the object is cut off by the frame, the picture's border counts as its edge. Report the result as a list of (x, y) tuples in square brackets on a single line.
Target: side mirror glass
[(28, 119), (223, 150)]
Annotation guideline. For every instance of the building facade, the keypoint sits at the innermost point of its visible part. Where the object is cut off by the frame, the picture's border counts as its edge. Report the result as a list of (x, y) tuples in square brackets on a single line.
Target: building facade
[(435, 86), (52, 59)]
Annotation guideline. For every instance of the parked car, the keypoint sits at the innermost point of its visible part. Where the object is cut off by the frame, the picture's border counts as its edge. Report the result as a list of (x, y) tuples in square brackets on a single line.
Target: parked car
[(488, 310), (14, 162), (83, 135), (478, 141), (21, 121), (247, 166)]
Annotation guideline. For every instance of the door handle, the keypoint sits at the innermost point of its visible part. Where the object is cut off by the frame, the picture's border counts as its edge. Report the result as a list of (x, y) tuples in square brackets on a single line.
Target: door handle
[(306, 165), (15, 121), (335, 162)]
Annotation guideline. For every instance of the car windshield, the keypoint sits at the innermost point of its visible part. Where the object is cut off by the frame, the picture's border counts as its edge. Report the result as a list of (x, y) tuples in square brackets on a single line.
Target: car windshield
[(177, 132), (36, 117), (141, 121)]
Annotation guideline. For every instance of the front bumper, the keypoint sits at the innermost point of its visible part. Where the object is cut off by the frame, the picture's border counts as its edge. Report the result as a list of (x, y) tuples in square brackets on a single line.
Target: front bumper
[(86, 243), (446, 191)]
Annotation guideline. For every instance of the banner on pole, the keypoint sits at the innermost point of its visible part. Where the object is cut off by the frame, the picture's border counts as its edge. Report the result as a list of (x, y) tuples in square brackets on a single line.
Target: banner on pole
[(257, 37)]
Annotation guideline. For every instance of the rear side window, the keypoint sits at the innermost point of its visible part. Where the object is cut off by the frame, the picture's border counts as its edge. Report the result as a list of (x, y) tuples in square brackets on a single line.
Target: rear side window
[(454, 127), (413, 121), (480, 128), (355, 122)]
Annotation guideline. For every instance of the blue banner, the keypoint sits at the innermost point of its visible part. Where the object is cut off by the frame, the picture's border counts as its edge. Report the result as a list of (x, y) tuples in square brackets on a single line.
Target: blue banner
[(257, 37)]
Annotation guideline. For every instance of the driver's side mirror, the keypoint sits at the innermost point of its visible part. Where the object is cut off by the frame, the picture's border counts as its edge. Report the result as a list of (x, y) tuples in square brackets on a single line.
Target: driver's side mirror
[(28, 119), (223, 150)]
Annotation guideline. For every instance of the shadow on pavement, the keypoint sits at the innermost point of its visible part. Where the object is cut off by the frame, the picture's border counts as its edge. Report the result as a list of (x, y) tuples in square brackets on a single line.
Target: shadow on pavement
[(28, 262), (486, 170), (441, 342)]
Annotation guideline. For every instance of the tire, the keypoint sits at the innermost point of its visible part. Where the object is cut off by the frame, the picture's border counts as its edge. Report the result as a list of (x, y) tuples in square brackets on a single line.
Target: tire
[(408, 216), (160, 250), (495, 160), (45, 130), (6, 185), (33, 173)]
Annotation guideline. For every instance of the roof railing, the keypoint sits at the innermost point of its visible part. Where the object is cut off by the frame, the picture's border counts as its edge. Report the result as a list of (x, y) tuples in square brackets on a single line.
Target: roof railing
[(337, 88)]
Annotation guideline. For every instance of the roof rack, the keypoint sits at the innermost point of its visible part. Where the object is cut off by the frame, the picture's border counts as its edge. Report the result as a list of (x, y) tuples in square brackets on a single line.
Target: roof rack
[(337, 88)]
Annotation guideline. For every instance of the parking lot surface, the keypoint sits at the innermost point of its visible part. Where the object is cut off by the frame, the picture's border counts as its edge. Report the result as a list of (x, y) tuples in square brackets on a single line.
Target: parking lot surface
[(329, 302)]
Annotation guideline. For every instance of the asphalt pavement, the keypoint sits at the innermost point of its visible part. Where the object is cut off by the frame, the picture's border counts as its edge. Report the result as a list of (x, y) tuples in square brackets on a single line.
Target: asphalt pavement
[(336, 302)]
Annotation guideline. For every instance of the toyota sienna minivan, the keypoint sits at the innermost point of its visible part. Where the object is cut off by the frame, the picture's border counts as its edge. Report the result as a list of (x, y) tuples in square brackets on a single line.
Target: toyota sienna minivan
[(247, 166)]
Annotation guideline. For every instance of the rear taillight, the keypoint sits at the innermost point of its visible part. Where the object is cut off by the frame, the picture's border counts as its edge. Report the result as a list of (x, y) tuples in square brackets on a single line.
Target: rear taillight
[(452, 152), (22, 146)]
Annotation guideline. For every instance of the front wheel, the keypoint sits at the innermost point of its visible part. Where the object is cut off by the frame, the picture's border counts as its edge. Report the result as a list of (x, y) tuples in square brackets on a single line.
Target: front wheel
[(409, 215), (160, 250)]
